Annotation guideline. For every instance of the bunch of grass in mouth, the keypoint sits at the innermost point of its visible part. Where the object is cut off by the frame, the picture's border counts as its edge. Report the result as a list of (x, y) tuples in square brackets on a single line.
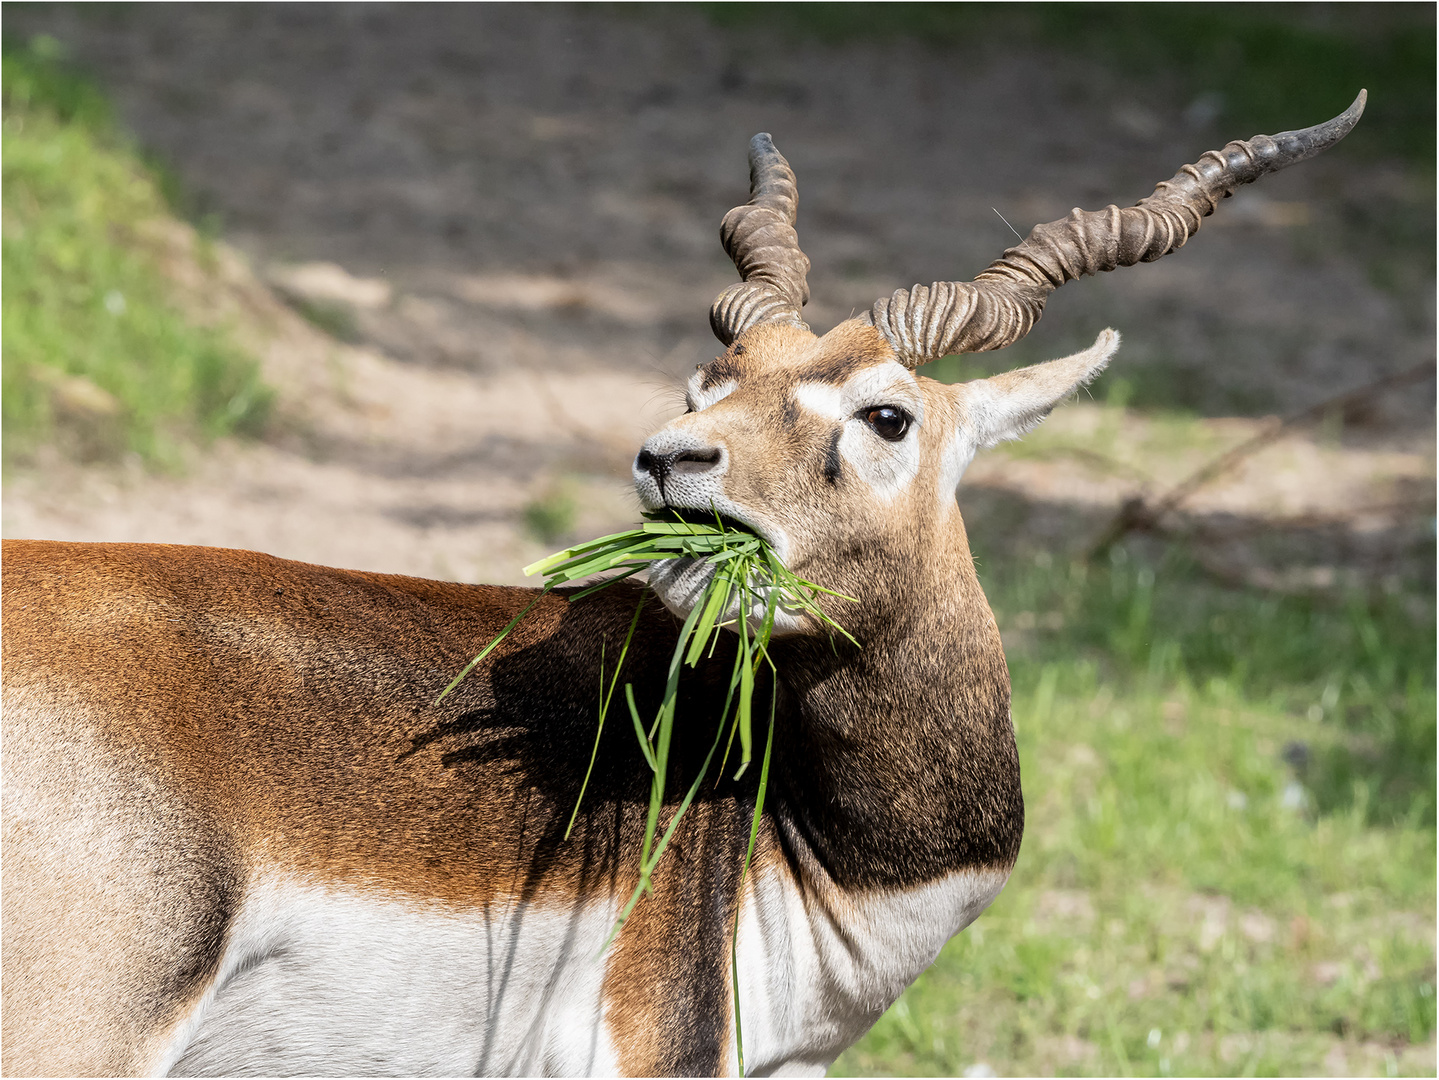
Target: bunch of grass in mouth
[(747, 577)]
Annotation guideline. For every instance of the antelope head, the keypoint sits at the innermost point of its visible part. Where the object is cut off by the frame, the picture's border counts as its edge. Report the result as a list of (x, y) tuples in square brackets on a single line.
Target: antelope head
[(831, 447)]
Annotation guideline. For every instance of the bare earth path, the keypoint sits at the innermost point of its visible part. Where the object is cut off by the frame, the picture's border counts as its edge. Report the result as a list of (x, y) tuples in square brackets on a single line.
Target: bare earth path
[(511, 213)]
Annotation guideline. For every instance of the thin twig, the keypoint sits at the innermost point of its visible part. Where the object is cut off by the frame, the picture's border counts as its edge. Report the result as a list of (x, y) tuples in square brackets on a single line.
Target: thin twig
[(1137, 515)]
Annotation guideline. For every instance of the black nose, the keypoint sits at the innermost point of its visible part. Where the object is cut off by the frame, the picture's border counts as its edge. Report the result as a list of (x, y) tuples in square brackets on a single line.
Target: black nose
[(661, 466)]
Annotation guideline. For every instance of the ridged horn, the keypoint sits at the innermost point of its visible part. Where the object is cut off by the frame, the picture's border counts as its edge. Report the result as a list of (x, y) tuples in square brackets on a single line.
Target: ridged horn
[(759, 236), (1004, 302)]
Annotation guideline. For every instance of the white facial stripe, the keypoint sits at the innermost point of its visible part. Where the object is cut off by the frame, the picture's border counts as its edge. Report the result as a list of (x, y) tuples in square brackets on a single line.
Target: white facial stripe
[(889, 383), (882, 384), (887, 467), (822, 399), (700, 398)]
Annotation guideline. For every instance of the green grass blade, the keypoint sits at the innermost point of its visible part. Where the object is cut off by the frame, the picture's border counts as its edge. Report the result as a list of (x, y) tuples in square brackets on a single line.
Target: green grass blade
[(645, 747), (491, 646), (679, 528), (746, 686), (606, 583), (734, 682), (624, 916), (716, 605), (605, 699), (614, 540), (685, 802), (664, 722), (591, 564)]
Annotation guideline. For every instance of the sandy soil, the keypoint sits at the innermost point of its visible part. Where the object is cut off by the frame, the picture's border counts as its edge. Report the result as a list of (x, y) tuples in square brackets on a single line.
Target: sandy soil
[(510, 213)]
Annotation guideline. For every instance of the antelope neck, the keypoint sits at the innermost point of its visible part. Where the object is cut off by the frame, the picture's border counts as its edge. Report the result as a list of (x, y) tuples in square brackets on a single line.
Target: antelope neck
[(900, 764)]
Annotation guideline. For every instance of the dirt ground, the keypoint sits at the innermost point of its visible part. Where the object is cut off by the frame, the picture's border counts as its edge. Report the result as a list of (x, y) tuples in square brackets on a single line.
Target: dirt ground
[(506, 216)]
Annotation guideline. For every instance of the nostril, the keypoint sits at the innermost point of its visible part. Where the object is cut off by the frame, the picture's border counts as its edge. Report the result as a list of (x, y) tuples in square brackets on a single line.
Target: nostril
[(650, 463), (696, 461)]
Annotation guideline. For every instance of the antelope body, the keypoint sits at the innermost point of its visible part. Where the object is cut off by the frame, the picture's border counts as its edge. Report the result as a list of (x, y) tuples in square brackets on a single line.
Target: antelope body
[(241, 837)]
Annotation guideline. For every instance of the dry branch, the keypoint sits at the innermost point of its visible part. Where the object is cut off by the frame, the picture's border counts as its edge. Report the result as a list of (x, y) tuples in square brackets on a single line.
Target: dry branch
[(1137, 515)]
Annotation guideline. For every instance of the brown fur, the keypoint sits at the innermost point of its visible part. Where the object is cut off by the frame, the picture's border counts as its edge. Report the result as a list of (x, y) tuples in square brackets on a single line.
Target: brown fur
[(232, 710)]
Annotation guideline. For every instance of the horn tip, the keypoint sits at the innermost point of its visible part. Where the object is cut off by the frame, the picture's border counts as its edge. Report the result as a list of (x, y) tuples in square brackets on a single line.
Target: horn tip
[(1344, 123), (1299, 145), (762, 151), (1350, 116)]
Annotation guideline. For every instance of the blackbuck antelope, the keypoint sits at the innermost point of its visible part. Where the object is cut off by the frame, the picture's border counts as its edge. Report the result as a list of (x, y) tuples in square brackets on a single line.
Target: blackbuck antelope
[(241, 837)]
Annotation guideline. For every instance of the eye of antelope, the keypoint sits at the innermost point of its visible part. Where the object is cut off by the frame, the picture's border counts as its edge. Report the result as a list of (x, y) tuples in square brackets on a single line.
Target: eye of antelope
[(889, 423)]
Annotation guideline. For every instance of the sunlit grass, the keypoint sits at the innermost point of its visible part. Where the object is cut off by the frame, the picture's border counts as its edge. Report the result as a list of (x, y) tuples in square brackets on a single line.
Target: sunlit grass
[(1228, 866), (98, 358)]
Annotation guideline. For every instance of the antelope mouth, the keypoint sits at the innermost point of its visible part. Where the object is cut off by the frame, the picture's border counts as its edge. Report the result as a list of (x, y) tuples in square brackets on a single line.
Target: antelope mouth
[(682, 583)]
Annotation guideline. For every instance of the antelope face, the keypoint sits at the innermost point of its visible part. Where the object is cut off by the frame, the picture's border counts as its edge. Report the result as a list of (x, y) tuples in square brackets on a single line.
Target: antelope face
[(836, 453)]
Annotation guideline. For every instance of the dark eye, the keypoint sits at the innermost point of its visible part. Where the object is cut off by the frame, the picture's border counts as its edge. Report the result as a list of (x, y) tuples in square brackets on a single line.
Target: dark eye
[(888, 422)]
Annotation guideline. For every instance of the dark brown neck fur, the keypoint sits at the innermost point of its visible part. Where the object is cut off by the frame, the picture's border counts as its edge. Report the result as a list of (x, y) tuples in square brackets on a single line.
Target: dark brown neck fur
[(898, 763)]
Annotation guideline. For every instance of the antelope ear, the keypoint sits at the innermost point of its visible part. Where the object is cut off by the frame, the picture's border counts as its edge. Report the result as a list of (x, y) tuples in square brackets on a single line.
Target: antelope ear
[(1006, 406)]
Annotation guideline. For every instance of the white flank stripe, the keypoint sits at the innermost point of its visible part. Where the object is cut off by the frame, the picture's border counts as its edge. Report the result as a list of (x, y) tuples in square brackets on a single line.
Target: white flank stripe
[(327, 981)]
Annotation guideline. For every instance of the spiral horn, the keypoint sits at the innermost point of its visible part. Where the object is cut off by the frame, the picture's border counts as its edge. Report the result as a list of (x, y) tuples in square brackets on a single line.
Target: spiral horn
[(759, 236), (1003, 303)]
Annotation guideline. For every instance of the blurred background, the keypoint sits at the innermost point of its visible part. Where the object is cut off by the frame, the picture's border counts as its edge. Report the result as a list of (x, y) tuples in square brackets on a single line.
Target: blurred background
[(402, 288)]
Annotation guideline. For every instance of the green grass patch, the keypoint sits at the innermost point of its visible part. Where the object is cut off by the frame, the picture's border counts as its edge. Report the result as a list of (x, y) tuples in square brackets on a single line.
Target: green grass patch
[(1355, 673), (1229, 863), (99, 359)]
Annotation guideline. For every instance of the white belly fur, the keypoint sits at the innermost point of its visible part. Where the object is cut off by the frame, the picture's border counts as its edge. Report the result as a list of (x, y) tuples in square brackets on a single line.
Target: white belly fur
[(322, 980), (816, 969)]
